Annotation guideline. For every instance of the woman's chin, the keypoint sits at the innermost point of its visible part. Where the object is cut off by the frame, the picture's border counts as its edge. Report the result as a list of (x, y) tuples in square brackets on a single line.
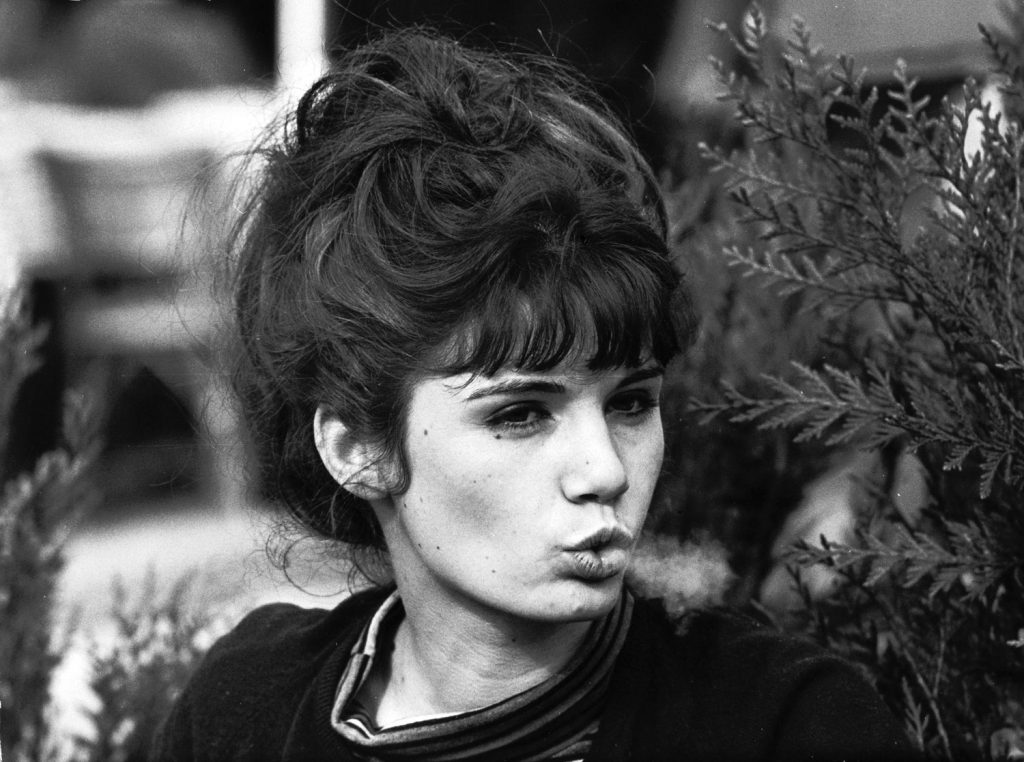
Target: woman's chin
[(586, 599)]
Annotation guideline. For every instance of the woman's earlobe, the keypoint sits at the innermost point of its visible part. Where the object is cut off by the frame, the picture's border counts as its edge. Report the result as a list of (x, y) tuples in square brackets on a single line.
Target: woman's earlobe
[(353, 462)]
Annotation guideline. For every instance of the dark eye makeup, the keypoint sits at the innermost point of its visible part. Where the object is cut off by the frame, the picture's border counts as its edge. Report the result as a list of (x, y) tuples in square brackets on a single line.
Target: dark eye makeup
[(528, 416), (519, 417), (633, 402)]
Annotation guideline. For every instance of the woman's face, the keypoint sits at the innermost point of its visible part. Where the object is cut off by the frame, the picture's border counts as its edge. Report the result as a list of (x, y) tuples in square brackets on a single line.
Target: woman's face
[(527, 490)]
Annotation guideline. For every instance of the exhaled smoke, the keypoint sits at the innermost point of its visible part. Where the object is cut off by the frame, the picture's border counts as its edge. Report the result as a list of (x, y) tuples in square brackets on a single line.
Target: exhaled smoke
[(687, 575)]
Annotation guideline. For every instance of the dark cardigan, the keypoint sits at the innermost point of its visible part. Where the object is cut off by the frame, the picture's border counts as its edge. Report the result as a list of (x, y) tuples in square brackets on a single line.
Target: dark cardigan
[(719, 688)]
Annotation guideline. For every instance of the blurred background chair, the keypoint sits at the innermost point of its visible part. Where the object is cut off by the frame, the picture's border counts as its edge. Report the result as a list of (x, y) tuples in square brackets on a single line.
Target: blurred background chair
[(131, 277)]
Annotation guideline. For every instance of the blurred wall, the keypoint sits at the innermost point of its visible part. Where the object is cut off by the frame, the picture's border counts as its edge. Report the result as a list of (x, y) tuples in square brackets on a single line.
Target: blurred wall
[(939, 39)]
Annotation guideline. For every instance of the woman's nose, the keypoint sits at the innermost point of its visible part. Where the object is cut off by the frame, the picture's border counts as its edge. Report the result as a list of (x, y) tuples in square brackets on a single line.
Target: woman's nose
[(594, 471)]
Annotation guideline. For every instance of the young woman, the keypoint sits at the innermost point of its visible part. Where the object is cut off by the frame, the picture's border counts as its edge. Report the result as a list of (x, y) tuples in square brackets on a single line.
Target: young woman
[(456, 306)]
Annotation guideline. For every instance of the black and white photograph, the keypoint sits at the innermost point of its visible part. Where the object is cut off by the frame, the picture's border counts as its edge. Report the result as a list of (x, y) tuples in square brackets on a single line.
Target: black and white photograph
[(567, 380)]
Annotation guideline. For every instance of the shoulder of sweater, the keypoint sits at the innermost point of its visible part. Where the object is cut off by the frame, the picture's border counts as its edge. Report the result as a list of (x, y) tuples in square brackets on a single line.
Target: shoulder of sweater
[(743, 688), (241, 700), (281, 639), (720, 641)]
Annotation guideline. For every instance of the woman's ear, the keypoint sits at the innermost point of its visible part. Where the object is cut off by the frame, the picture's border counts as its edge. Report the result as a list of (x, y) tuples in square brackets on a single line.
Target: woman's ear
[(353, 462)]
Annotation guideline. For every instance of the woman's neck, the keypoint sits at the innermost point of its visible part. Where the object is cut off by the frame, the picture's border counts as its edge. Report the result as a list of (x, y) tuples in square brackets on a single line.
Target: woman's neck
[(447, 662)]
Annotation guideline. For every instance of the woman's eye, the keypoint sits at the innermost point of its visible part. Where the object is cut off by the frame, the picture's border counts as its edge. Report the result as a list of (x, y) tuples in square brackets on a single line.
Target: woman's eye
[(521, 417), (633, 403)]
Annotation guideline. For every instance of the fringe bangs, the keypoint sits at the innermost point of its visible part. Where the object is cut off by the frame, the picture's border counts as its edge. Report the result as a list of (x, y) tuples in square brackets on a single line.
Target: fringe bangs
[(603, 315)]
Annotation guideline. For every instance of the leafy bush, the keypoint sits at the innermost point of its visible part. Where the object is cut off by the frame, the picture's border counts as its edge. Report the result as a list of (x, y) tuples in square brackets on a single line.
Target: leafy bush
[(884, 253), (138, 668), (142, 656), (36, 510)]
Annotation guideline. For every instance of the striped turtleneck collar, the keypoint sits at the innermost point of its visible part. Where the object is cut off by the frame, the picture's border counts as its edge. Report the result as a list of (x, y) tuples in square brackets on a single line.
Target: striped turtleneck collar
[(554, 720)]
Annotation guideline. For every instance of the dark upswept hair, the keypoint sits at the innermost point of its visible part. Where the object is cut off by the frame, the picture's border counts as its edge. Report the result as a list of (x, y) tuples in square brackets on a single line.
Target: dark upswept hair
[(433, 209)]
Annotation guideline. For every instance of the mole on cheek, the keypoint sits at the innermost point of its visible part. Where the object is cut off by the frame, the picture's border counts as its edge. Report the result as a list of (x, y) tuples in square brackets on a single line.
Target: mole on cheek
[(425, 432)]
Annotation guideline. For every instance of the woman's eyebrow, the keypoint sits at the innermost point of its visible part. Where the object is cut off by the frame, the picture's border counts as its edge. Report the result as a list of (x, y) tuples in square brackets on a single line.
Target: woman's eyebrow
[(545, 386), (642, 374), (518, 386)]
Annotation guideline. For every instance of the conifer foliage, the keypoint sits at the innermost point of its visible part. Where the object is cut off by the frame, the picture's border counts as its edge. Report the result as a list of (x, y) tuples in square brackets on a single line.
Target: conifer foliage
[(36, 509), (899, 219)]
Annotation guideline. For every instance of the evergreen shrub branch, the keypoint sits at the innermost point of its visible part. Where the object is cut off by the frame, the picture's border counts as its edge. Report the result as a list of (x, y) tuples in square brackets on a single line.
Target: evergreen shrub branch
[(141, 659), (36, 511), (891, 224), (139, 669)]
